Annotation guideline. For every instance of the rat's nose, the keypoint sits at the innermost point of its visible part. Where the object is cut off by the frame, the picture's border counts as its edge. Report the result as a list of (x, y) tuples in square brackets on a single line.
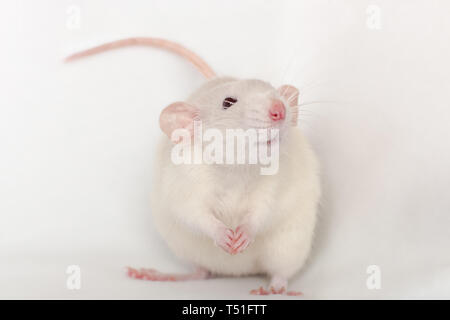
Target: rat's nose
[(277, 111)]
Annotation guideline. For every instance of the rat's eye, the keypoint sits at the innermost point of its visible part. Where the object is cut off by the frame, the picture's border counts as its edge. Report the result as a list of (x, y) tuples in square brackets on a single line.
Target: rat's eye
[(228, 102)]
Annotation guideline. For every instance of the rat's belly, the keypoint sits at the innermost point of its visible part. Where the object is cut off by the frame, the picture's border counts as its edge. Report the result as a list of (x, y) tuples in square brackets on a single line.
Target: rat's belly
[(202, 252)]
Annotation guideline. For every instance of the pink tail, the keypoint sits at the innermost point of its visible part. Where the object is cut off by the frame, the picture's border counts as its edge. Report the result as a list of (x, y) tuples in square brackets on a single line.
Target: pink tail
[(198, 62)]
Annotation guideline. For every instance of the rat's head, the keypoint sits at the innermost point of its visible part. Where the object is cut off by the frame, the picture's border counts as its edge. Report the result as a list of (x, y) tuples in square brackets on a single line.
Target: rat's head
[(226, 103)]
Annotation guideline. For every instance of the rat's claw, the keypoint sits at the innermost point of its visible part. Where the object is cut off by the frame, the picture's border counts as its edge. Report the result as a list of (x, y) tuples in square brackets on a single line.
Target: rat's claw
[(224, 239), (132, 272), (145, 274), (260, 292), (263, 292), (278, 285), (281, 290), (294, 293)]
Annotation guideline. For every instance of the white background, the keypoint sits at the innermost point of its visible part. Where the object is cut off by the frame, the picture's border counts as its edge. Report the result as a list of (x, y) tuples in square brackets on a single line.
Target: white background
[(77, 140)]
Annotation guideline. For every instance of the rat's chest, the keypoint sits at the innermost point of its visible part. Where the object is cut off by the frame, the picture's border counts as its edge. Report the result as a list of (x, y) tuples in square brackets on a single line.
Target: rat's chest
[(231, 200)]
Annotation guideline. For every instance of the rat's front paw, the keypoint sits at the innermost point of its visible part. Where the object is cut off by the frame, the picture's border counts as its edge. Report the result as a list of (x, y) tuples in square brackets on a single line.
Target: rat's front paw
[(224, 238), (242, 238)]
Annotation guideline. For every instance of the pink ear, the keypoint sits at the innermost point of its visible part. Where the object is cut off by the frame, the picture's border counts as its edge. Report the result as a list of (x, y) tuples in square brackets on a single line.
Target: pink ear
[(290, 93), (178, 115)]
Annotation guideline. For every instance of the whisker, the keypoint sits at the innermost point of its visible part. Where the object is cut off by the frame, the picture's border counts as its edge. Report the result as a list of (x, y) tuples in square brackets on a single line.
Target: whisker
[(259, 120), (316, 102)]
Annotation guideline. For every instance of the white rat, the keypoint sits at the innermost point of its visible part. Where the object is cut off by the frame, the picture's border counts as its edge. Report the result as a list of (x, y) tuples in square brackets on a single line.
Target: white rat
[(230, 219)]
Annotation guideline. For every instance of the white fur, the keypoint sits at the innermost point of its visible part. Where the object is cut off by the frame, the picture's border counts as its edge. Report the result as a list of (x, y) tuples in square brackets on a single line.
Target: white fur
[(191, 203)]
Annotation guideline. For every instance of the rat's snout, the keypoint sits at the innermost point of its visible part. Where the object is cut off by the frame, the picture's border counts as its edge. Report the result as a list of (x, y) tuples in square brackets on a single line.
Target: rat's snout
[(277, 111)]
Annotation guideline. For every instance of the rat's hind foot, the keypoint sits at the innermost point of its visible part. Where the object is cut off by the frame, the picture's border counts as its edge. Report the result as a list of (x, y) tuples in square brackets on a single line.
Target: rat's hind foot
[(263, 292), (154, 275), (260, 292), (277, 285)]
